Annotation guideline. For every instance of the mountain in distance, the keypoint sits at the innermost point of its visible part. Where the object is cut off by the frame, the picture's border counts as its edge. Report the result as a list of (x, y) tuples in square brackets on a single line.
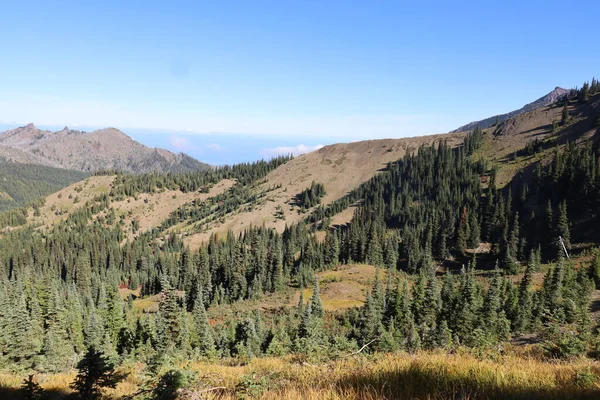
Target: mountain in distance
[(103, 149), (557, 94), (255, 238)]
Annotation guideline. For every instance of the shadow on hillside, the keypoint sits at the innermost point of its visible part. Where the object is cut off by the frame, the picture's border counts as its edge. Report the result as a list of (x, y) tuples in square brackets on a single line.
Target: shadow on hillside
[(440, 383), (7, 393)]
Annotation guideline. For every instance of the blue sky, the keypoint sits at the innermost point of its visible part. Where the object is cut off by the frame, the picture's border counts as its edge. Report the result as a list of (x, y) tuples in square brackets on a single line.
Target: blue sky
[(229, 81)]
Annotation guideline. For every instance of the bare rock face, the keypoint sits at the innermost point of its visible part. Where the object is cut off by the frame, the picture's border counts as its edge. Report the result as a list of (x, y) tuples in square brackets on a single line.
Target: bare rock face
[(104, 149), (557, 94)]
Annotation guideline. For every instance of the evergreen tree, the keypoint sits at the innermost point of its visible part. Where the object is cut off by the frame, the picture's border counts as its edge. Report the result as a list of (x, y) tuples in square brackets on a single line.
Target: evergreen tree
[(203, 338), (168, 323), (565, 113), (95, 373), (168, 385), (563, 224), (525, 309), (315, 301), (31, 390)]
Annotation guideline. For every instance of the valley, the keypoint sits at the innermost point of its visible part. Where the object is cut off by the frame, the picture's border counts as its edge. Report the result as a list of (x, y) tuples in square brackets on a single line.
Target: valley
[(411, 257)]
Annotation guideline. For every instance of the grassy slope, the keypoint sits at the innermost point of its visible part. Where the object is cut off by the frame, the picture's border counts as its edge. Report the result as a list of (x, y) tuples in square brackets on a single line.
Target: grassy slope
[(340, 167), (148, 209)]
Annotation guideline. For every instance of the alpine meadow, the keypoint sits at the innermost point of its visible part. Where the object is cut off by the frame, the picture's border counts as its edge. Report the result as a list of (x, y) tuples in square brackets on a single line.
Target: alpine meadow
[(462, 265)]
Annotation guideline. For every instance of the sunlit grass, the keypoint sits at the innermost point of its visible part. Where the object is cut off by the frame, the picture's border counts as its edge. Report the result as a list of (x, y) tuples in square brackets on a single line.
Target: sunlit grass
[(425, 375)]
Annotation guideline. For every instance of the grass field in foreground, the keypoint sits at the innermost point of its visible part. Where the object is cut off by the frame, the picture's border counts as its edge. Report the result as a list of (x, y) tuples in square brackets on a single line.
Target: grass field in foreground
[(423, 375)]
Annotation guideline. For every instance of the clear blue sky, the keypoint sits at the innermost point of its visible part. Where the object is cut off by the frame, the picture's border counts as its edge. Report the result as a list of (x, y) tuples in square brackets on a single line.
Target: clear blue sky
[(205, 77)]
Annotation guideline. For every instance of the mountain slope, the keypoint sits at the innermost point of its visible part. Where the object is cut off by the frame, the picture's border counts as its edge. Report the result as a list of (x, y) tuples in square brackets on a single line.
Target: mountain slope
[(339, 167), (550, 98), (22, 183), (104, 149), (343, 167)]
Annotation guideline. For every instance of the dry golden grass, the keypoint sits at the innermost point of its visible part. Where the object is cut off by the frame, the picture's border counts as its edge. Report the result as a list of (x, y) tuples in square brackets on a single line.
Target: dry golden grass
[(149, 209), (394, 376), (64, 200), (343, 287), (425, 375)]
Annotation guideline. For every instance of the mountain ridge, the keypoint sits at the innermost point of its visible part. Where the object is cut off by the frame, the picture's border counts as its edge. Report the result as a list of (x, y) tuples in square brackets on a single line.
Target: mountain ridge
[(102, 149), (550, 98)]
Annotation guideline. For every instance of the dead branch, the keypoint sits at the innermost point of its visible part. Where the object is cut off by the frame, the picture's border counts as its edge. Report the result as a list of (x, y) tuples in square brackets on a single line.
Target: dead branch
[(359, 350)]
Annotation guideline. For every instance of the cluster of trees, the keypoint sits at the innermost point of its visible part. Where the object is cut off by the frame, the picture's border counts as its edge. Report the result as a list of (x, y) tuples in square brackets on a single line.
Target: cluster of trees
[(310, 197), (459, 311), (243, 173), (588, 90), (14, 217)]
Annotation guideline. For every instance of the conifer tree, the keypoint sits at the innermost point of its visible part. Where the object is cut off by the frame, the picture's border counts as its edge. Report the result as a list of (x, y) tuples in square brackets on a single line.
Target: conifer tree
[(300, 306), (563, 224), (430, 311), (95, 374), (466, 318), (168, 323), (94, 330), (474, 237), (491, 306), (22, 346), (391, 252), (315, 301), (462, 235), (370, 324), (280, 343), (203, 338), (31, 390), (565, 113), (524, 310)]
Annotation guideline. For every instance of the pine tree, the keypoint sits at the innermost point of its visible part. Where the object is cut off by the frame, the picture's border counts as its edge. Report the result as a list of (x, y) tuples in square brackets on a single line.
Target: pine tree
[(22, 346), (563, 224), (524, 311), (443, 336), (94, 330), (168, 322), (57, 350), (280, 343), (474, 237), (430, 311), (300, 306), (491, 306), (462, 233), (204, 340), (370, 324), (247, 342), (168, 385), (565, 113), (115, 314), (391, 252), (31, 390), (549, 229), (374, 250), (332, 249), (465, 321), (315, 301), (95, 374)]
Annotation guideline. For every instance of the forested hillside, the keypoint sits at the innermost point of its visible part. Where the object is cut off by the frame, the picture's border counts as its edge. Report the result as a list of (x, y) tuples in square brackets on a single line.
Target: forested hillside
[(464, 238), (24, 183)]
